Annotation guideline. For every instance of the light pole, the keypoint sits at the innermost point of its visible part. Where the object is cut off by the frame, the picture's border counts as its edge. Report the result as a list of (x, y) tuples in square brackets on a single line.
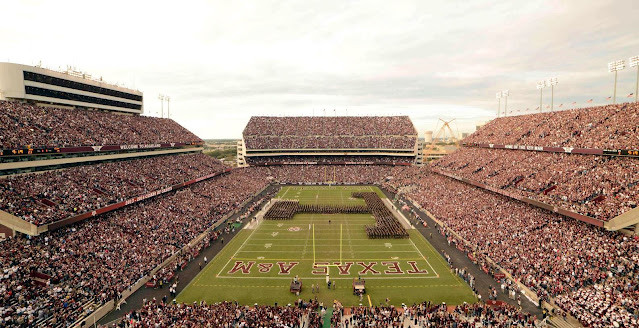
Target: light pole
[(505, 95), (615, 66), (540, 86), (634, 62), (552, 82), (161, 97), (168, 108), (498, 96)]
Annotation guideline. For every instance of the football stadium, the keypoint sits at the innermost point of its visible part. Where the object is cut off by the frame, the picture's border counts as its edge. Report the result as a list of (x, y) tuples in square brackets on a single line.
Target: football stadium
[(113, 216)]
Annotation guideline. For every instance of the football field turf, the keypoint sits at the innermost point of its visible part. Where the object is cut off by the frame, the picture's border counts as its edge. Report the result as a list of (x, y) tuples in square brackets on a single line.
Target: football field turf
[(258, 265)]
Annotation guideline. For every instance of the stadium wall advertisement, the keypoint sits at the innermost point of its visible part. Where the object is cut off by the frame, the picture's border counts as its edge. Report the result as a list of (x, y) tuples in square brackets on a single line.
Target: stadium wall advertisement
[(91, 149), (83, 216), (568, 150), (527, 200), (333, 163)]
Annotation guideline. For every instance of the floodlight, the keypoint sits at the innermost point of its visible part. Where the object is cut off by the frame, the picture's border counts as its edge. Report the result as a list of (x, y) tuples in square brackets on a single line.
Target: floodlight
[(505, 93), (498, 95), (634, 61), (552, 81), (541, 84), (617, 65)]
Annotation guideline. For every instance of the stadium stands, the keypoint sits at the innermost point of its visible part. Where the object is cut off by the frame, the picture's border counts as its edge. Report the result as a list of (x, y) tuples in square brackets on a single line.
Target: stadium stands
[(612, 303), (334, 127), (225, 314), (601, 127), (82, 266), (391, 132), (340, 160), (548, 253), (598, 186), (54, 195), (27, 126), (341, 174), (434, 315)]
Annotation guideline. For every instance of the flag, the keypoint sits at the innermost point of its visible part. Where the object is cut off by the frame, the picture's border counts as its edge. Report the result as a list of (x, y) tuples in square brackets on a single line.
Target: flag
[(608, 98), (574, 102), (589, 101), (537, 108), (527, 108), (561, 105), (630, 95)]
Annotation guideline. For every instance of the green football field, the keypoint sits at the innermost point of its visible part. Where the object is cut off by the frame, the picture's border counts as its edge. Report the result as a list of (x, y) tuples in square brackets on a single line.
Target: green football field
[(258, 265)]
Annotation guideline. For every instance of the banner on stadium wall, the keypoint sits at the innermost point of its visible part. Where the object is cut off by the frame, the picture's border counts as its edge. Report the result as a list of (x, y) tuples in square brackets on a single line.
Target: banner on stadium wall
[(567, 150), (332, 163), (90, 149)]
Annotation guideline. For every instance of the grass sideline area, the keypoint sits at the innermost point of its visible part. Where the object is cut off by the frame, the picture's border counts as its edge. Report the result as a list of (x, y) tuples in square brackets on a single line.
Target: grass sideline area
[(258, 265)]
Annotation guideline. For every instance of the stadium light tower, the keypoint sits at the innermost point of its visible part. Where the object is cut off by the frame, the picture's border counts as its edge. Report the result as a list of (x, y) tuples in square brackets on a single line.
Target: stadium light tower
[(505, 95), (161, 97), (541, 85), (552, 82), (616, 66), (498, 96), (634, 62), (168, 109)]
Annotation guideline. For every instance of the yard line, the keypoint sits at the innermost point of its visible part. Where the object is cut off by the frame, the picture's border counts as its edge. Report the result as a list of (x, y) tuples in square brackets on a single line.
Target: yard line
[(241, 246), (420, 253)]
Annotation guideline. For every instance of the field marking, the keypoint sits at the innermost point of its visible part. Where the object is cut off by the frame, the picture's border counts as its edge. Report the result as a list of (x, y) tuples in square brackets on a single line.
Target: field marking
[(425, 259), (231, 258), (336, 278), (303, 259), (286, 192), (330, 252)]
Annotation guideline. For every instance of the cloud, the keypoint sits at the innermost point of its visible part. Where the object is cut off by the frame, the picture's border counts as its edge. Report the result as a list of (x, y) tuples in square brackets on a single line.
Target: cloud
[(222, 62)]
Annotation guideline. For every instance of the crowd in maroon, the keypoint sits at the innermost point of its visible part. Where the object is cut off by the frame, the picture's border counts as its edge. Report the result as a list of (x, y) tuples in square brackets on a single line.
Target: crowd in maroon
[(602, 187), (434, 315), (225, 314), (94, 261), (29, 126), (341, 132), (54, 195), (548, 253), (601, 127)]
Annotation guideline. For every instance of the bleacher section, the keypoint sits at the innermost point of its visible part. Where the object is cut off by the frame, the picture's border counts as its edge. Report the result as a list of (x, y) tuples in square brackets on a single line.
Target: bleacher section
[(343, 139), (47, 197), (27, 130)]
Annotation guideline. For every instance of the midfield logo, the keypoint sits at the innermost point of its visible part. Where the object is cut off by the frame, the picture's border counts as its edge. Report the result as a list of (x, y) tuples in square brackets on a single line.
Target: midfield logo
[(320, 269)]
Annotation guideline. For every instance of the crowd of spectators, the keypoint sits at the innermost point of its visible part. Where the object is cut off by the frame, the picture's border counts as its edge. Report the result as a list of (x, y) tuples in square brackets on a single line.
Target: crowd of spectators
[(548, 253), (598, 186), (330, 126), (435, 315), (42, 198), (330, 142), (29, 126), (359, 160), (343, 132), (224, 314), (601, 127), (338, 174), (95, 260), (614, 302)]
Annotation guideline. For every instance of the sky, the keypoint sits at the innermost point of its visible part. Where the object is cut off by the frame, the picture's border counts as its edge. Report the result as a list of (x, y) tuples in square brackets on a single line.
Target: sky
[(222, 62)]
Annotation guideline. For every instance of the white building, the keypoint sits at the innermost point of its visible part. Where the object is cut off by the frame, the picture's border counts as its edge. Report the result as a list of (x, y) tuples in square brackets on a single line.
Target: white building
[(70, 88)]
